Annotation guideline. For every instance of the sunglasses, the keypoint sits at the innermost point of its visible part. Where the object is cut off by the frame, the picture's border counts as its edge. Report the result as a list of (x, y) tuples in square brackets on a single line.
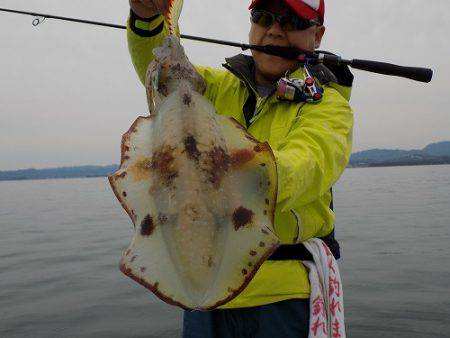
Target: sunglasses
[(288, 22)]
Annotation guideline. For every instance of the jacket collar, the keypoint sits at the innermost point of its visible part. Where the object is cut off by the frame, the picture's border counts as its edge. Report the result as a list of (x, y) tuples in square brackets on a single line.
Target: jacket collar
[(243, 67), (339, 77)]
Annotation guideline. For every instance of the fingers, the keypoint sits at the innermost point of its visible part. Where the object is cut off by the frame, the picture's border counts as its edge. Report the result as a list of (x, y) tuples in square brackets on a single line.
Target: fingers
[(149, 8), (162, 5), (157, 6)]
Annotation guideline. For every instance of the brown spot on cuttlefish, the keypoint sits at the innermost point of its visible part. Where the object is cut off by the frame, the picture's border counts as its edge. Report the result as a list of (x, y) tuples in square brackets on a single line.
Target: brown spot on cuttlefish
[(162, 89), (147, 226), (162, 162), (258, 148), (122, 175), (187, 99), (217, 165), (242, 217), (162, 218), (241, 157), (190, 145)]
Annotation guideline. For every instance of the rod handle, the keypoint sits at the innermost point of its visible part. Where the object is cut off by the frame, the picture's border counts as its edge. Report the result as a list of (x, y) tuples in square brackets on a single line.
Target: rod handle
[(413, 73)]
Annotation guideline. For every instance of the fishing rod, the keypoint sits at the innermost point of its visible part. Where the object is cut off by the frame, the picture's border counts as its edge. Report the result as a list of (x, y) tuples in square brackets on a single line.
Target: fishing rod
[(414, 73)]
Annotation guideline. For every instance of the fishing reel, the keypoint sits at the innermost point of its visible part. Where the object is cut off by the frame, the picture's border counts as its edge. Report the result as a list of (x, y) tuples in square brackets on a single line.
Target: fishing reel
[(299, 90)]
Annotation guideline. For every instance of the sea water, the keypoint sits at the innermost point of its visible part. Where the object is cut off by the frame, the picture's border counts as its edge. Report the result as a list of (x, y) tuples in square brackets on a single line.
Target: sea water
[(61, 241)]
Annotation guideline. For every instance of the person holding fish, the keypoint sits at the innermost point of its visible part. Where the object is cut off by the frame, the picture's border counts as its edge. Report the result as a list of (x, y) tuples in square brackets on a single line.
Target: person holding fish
[(302, 112)]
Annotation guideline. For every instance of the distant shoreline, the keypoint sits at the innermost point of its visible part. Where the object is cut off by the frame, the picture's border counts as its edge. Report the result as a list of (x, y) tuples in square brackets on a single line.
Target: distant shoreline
[(88, 171), (372, 165), (50, 178), (432, 154), (398, 164)]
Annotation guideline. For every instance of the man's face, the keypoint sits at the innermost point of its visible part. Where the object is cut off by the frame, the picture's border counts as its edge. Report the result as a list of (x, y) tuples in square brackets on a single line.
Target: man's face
[(269, 68)]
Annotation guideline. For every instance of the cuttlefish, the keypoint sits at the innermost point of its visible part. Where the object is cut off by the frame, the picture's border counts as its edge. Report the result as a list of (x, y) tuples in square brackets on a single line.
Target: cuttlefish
[(199, 189)]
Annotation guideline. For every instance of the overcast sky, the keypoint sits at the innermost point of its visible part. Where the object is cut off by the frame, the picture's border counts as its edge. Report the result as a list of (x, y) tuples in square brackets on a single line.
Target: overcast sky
[(68, 91)]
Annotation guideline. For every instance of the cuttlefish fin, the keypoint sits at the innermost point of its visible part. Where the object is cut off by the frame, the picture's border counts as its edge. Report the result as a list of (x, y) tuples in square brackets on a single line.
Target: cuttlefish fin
[(251, 239), (131, 173), (253, 162), (136, 184)]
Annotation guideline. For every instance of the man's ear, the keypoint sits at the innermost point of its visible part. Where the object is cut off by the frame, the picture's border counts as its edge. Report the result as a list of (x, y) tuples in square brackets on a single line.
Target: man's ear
[(320, 31)]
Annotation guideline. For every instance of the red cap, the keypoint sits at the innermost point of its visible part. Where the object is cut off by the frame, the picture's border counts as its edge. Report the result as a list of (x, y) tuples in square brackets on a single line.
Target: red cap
[(306, 9)]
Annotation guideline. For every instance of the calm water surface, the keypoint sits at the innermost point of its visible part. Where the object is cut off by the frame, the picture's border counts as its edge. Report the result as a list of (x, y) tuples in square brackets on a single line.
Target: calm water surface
[(61, 240)]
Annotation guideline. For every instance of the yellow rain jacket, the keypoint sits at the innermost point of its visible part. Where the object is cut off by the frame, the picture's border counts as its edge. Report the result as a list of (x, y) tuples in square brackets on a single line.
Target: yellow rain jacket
[(311, 143)]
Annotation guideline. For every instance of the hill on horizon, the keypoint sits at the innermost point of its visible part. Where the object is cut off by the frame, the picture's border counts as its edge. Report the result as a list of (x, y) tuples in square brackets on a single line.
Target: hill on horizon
[(62, 172), (432, 154), (435, 153)]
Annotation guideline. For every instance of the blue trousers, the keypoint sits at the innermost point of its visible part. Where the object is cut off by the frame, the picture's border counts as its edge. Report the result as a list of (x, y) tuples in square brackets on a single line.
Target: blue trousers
[(284, 319)]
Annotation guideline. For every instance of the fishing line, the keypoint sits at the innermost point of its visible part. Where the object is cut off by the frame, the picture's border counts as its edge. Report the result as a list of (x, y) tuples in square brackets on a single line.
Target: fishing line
[(414, 73)]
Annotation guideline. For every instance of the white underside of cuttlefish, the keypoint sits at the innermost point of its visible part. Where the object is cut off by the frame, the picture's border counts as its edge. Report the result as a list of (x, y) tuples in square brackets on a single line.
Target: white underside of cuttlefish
[(199, 189)]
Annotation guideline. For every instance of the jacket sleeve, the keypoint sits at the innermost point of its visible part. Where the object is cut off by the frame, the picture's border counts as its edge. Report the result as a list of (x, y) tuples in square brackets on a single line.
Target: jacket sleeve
[(145, 34), (315, 152)]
